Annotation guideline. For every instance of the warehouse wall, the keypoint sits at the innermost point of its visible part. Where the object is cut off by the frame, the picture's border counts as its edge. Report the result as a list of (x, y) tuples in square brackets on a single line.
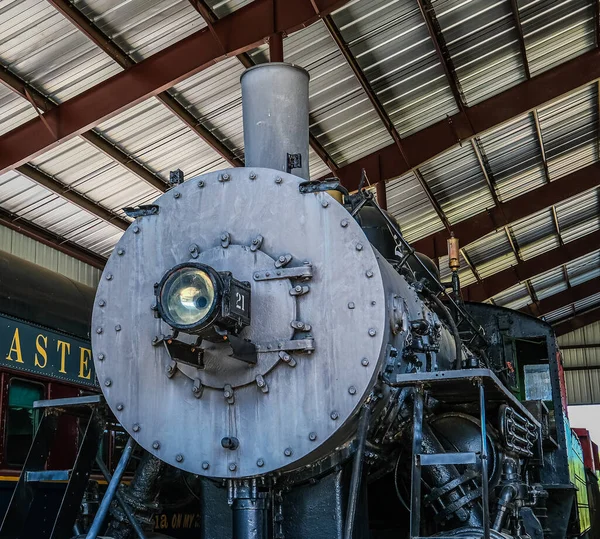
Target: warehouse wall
[(34, 251), (583, 384)]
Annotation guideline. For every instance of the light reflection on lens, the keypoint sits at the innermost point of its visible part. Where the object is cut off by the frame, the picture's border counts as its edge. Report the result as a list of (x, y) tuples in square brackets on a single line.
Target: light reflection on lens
[(188, 296)]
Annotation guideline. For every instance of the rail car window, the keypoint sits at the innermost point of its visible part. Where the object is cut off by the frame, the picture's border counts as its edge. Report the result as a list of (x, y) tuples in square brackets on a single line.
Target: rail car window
[(21, 420)]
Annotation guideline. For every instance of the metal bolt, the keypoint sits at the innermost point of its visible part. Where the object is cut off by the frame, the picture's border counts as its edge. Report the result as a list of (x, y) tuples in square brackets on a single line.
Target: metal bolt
[(232, 467), (359, 246), (227, 394), (102, 303), (121, 252), (352, 390), (344, 223), (372, 332), (156, 444), (268, 274), (278, 180), (108, 382), (260, 463), (205, 465), (120, 407), (136, 427), (278, 272), (98, 330), (287, 451), (225, 177), (117, 327), (282, 258), (351, 305), (179, 457), (255, 241), (196, 389), (369, 274), (373, 302), (298, 288), (136, 229), (177, 195), (223, 237), (324, 203), (334, 415), (109, 276), (201, 184), (101, 357), (364, 362), (253, 175), (312, 436)]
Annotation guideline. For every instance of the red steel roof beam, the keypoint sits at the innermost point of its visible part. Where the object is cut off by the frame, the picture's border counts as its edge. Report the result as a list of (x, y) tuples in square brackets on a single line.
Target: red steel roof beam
[(241, 31), (564, 298), (579, 320)]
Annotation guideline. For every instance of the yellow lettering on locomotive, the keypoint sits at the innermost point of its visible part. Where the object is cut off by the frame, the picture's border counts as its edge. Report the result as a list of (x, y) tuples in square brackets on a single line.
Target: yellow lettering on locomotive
[(176, 521), (64, 348), (15, 347), (84, 358), (188, 520), (164, 522), (41, 342)]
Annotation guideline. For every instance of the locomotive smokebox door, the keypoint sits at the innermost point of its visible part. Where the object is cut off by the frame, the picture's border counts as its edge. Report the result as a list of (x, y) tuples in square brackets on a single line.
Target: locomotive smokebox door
[(227, 325)]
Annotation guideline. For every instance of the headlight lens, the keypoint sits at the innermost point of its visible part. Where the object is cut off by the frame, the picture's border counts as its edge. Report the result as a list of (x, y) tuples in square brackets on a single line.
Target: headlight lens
[(188, 296)]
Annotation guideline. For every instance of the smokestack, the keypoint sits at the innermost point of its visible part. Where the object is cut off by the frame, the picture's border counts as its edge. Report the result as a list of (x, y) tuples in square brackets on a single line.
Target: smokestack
[(275, 109)]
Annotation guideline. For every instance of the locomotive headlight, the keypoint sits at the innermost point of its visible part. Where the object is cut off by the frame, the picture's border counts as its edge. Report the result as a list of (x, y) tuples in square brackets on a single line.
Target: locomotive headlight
[(196, 298)]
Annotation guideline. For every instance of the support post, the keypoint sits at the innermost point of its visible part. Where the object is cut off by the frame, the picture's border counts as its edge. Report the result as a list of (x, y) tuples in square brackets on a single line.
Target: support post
[(415, 487), (484, 469), (111, 490), (249, 508)]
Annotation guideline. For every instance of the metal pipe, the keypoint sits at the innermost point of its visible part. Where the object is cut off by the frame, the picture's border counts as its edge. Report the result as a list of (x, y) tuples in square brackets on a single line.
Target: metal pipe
[(276, 47), (132, 520), (111, 490), (355, 481), (249, 511), (484, 464), (417, 445), (275, 110)]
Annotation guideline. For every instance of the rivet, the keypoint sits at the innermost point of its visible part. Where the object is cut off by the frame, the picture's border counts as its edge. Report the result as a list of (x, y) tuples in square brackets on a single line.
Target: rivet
[(352, 390), (324, 203), (223, 237), (312, 436), (121, 251), (101, 357), (372, 332), (177, 194), (117, 327), (369, 274), (136, 229), (278, 179), (98, 330), (156, 444), (179, 457), (120, 407), (260, 463), (373, 302), (253, 175), (334, 415), (201, 184), (205, 465), (351, 305), (102, 303), (232, 467), (136, 427), (279, 273), (108, 382), (287, 451), (268, 274), (364, 362), (359, 246), (257, 275), (344, 223), (109, 276)]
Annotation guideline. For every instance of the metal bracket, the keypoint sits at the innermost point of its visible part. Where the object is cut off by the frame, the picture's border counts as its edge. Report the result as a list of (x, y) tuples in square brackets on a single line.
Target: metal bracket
[(283, 260), (298, 345), (176, 177), (304, 273), (256, 243), (286, 358), (299, 290), (225, 240), (262, 383), (228, 394), (141, 211), (294, 160), (300, 326), (197, 388)]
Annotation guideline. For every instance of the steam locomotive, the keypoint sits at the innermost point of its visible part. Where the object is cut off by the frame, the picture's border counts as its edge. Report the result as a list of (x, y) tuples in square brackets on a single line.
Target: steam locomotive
[(280, 341)]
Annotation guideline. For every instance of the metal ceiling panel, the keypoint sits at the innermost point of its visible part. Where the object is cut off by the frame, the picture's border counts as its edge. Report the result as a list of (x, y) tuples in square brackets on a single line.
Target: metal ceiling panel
[(458, 183), (409, 204), (225, 7), (584, 268), (579, 216), (465, 275), (491, 254), (556, 31), (570, 131), (42, 47), (534, 234), (515, 295), (14, 110), (142, 27), (514, 157), (549, 283), (481, 36), (391, 43), (583, 387)]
